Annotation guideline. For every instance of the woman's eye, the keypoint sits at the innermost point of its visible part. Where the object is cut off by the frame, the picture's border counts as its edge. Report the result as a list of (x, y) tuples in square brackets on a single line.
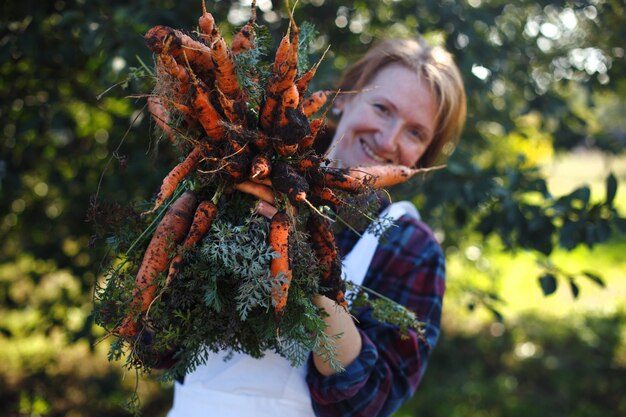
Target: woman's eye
[(416, 135), (381, 108)]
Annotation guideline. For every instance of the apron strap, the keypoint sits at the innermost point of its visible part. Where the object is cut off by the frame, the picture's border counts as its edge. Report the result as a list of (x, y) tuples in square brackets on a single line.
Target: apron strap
[(357, 262)]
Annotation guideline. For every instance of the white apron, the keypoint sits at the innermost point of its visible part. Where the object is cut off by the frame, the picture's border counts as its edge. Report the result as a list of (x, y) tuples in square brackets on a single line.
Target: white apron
[(270, 386)]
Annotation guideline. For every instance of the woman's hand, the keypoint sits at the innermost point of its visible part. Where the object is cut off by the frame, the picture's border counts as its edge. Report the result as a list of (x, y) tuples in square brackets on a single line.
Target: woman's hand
[(265, 194), (340, 322)]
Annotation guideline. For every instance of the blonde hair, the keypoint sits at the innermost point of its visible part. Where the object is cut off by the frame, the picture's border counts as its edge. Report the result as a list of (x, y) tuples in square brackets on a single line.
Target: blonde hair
[(437, 67)]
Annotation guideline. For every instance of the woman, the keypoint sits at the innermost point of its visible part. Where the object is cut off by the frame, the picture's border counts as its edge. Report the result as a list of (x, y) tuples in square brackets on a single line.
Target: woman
[(408, 106)]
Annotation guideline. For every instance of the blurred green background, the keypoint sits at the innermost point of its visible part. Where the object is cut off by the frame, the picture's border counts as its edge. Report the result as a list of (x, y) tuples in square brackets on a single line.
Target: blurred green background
[(529, 211)]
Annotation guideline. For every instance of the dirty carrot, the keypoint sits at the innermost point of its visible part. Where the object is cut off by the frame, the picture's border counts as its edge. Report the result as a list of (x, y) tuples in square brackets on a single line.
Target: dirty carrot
[(261, 167), (161, 118), (308, 140), (325, 196), (269, 110), (323, 242), (340, 179), (207, 115), (260, 191), (314, 102), (202, 220), (325, 248), (178, 44), (206, 23), (225, 74), (303, 82), (244, 39), (176, 175), (287, 180), (171, 230), (280, 266), (381, 176)]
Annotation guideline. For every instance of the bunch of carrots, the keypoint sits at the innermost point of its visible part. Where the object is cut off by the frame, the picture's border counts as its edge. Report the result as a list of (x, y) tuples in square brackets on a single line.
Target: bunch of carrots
[(265, 150)]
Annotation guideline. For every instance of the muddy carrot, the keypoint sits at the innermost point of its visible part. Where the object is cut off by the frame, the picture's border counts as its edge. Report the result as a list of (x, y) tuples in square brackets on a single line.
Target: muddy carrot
[(338, 178), (287, 180), (260, 167), (176, 175), (381, 176), (206, 23), (162, 118), (202, 220), (280, 266), (260, 191), (308, 140), (314, 102), (225, 74), (244, 38), (325, 196), (207, 115), (170, 231), (182, 47), (323, 244)]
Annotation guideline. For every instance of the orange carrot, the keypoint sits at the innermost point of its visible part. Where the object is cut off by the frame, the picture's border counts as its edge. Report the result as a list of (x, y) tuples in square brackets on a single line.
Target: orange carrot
[(269, 111), (261, 167), (289, 99), (169, 232), (285, 64), (323, 244), (228, 107), (303, 82), (207, 115), (261, 141), (314, 102), (381, 176), (309, 161), (278, 239), (308, 140), (340, 179), (206, 23), (161, 118), (182, 47), (176, 175), (225, 74), (285, 149), (287, 180), (325, 196), (202, 220), (244, 39), (260, 191)]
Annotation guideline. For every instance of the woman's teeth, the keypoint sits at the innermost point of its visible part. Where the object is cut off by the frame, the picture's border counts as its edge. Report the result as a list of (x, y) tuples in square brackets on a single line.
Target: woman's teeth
[(371, 154)]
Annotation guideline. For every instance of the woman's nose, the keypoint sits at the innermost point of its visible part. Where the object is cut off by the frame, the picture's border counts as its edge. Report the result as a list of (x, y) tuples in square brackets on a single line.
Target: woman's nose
[(388, 138)]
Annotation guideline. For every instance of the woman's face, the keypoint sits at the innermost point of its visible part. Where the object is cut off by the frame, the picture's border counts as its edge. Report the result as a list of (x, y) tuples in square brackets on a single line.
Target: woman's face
[(391, 121)]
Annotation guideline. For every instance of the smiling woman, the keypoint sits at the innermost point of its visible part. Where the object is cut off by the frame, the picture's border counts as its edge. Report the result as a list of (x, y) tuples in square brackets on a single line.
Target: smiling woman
[(406, 103)]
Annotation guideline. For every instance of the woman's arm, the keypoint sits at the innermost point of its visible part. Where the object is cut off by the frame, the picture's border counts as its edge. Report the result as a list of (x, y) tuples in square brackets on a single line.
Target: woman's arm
[(340, 322)]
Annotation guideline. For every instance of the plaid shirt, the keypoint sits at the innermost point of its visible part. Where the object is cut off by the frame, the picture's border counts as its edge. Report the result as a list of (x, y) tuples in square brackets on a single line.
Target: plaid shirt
[(408, 267)]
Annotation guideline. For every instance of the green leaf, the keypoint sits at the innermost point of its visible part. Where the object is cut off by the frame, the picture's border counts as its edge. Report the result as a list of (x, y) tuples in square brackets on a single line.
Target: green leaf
[(611, 189), (595, 278), (548, 283), (583, 194)]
